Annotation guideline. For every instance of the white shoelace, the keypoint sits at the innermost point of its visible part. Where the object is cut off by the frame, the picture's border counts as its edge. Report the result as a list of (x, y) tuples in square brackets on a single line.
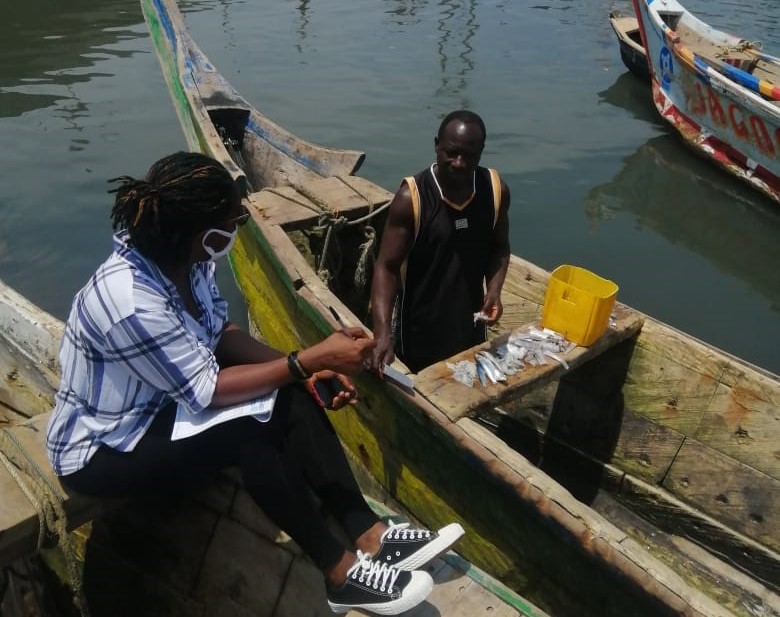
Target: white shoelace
[(373, 573), (401, 531)]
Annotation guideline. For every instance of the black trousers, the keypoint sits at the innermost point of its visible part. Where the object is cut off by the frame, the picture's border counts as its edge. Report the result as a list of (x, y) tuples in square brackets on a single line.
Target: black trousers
[(283, 462)]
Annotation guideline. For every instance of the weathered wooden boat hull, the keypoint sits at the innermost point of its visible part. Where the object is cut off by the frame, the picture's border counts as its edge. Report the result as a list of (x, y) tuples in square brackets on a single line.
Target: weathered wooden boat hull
[(188, 556), (629, 38), (728, 113), (29, 341), (648, 408)]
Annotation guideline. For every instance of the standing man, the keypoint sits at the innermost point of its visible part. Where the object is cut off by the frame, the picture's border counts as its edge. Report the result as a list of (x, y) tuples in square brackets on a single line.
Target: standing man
[(444, 252)]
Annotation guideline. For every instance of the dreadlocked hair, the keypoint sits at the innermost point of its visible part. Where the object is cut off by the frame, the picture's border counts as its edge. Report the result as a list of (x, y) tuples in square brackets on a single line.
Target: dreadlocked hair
[(182, 195)]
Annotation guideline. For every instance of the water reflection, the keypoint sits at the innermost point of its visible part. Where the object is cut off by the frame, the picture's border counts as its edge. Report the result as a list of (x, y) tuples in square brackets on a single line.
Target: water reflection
[(676, 194), (303, 14), (43, 49), (456, 26), (632, 94), (407, 8)]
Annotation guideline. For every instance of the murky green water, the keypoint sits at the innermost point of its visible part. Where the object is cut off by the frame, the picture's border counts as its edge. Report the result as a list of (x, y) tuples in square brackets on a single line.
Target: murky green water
[(597, 180)]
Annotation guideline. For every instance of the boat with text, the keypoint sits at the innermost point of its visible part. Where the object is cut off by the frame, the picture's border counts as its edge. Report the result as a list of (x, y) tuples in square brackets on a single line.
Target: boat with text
[(719, 91)]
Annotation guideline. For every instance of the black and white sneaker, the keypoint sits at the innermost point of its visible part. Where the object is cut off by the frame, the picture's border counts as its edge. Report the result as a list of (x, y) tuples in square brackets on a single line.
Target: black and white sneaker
[(408, 549), (379, 588)]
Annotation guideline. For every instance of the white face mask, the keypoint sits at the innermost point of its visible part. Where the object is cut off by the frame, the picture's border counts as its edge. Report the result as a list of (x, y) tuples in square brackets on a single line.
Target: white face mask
[(231, 236)]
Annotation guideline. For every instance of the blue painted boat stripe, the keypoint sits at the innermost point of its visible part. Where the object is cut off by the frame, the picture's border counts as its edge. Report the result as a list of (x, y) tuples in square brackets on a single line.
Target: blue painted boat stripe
[(741, 77), (701, 67), (312, 164)]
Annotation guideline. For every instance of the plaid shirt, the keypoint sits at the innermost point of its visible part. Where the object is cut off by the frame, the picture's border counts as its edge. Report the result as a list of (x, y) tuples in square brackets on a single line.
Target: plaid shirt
[(129, 348)]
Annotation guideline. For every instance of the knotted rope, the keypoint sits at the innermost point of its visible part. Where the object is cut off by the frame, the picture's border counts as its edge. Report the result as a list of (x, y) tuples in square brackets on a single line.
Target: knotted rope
[(742, 46), (48, 501), (330, 222)]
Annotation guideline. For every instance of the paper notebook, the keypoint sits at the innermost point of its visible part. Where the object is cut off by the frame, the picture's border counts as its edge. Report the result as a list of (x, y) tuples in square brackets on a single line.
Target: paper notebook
[(188, 424)]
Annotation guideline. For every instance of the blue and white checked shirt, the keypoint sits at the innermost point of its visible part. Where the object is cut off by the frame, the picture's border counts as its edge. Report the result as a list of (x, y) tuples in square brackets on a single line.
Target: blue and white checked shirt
[(129, 348)]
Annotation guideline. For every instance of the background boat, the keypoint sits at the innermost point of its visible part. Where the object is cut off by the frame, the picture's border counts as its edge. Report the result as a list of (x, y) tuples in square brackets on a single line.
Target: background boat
[(717, 90), (632, 53), (649, 417)]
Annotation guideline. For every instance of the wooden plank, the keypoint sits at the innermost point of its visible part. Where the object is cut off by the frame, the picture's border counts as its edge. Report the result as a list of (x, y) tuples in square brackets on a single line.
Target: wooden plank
[(731, 492), (457, 400), (283, 206), (26, 387), (673, 516), (645, 449), (344, 193), (301, 206), (456, 595), (594, 532), (743, 418), (18, 519), (702, 393), (642, 515)]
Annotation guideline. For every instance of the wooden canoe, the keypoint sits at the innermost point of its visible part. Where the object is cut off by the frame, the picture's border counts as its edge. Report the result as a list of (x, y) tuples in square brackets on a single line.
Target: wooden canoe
[(719, 91), (632, 53), (211, 553), (540, 471)]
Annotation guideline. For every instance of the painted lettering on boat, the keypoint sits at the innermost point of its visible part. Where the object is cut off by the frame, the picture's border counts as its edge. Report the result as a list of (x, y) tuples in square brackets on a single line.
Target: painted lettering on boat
[(666, 62), (745, 126)]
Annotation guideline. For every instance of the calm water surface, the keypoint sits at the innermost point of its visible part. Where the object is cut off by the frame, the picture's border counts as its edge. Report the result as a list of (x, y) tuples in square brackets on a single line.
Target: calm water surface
[(597, 180)]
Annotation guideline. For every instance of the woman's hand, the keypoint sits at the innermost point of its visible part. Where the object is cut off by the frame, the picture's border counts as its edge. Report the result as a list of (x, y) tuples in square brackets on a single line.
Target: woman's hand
[(346, 351), (332, 390)]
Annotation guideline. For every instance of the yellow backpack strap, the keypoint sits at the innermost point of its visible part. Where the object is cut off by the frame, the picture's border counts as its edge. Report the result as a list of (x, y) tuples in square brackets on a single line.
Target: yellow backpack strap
[(415, 195), (495, 181)]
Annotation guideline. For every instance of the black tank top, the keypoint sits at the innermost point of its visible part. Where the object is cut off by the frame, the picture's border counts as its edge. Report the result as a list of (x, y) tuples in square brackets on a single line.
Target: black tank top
[(443, 280)]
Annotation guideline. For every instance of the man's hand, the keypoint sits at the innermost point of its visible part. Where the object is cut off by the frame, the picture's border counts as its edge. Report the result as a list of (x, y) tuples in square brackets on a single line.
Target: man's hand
[(383, 353), (492, 307)]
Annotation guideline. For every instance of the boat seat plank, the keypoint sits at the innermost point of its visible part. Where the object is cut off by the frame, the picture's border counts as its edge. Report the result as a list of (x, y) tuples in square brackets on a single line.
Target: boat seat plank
[(456, 595), (18, 518), (283, 206), (456, 400), (300, 206)]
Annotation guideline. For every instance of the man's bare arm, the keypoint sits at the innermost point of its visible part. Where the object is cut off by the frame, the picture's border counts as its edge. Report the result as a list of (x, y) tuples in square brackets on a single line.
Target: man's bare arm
[(397, 239)]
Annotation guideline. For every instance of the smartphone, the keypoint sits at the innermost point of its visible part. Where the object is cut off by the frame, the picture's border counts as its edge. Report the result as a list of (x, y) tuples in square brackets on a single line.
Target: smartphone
[(327, 389)]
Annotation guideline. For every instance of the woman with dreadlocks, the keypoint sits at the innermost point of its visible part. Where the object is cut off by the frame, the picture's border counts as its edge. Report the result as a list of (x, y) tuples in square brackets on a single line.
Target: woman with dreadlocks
[(148, 342)]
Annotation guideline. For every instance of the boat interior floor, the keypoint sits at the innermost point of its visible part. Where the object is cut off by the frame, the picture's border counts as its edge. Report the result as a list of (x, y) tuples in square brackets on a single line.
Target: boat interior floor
[(744, 58)]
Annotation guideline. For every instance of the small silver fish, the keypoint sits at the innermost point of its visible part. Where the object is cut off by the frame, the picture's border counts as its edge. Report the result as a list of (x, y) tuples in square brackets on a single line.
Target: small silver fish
[(492, 367), (481, 373)]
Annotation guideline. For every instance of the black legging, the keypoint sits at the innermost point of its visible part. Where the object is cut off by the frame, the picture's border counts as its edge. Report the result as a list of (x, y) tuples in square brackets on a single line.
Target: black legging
[(281, 462)]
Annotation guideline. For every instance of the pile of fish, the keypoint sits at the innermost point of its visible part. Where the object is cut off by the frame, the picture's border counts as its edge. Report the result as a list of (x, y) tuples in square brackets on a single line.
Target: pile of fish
[(525, 346)]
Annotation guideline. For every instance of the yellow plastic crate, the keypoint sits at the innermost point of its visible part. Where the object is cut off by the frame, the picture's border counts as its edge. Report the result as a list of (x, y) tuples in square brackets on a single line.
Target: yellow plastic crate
[(578, 304)]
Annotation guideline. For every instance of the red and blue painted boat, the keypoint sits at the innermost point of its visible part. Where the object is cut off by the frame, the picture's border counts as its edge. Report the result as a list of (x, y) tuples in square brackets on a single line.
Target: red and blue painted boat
[(721, 92)]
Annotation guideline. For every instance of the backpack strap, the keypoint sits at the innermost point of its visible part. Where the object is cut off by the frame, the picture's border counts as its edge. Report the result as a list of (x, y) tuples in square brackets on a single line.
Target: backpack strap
[(495, 181)]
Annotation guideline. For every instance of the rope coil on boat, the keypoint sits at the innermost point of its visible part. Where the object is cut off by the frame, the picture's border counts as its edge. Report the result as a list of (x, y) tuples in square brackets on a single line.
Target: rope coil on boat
[(742, 46), (48, 501)]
